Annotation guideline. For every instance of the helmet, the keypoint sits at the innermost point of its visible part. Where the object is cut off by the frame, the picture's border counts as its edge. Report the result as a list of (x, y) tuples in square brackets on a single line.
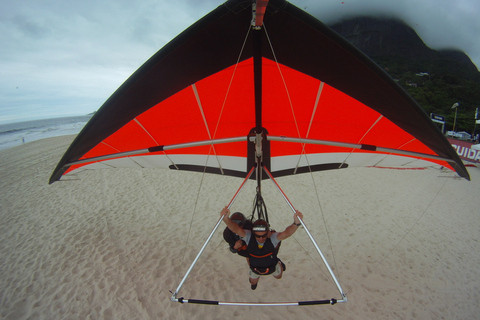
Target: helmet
[(260, 226), (238, 218)]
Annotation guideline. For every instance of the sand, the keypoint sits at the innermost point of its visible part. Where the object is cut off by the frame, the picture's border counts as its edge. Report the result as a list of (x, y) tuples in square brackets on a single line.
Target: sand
[(110, 244)]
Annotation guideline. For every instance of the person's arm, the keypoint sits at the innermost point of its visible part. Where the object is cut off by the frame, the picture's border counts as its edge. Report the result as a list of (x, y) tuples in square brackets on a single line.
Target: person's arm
[(235, 228), (291, 228)]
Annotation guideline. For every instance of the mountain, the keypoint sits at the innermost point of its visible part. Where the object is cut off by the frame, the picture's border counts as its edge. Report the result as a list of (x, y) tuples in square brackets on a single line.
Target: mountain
[(435, 78)]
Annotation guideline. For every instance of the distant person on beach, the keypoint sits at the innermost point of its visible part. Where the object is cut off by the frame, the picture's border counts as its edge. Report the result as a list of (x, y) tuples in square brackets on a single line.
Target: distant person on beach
[(237, 245), (262, 245)]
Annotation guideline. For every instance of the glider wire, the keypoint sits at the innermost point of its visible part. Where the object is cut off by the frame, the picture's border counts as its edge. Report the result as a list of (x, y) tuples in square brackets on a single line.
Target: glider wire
[(308, 253), (323, 218), (211, 253), (231, 81), (303, 146), (360, 140), (193, 212), (398, 148), (317, 101), (404, 236), (212, 147), (211, 137), (156, 143), (283, 80)]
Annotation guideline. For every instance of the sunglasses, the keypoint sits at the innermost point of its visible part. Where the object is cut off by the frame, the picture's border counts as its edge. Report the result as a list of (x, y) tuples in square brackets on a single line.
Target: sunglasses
[(260, 236)]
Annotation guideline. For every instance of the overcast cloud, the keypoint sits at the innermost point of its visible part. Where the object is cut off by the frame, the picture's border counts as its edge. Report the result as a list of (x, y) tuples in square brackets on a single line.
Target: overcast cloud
[(63, 57)]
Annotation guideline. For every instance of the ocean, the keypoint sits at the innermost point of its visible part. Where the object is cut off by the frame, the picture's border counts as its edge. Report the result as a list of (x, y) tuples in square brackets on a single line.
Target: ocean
[(15, 134)]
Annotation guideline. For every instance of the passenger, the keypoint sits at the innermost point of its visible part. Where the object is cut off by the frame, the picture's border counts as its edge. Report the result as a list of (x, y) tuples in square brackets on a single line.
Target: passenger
[(237, 245)]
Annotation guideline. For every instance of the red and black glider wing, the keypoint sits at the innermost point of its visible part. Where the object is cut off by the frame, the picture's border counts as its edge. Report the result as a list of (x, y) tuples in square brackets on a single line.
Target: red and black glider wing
[(315, 87)]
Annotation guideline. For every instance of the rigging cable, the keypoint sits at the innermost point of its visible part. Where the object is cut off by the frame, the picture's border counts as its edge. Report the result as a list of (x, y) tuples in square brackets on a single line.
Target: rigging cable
[(303, 145), (231, 81), (404, 236), (213, 137)]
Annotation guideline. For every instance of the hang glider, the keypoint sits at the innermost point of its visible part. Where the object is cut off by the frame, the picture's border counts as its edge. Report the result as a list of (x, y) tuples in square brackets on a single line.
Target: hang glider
[(317, 101), (259, 86)]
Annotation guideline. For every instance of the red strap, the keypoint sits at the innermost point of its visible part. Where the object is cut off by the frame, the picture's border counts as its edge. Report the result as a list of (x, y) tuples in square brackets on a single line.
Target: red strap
[(268, 254), (244, 247), (266, 271)]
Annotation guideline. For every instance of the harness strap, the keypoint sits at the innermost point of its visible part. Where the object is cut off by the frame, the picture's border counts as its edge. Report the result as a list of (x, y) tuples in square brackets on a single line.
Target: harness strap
[(268, 254), (267, 271), (244, 247)]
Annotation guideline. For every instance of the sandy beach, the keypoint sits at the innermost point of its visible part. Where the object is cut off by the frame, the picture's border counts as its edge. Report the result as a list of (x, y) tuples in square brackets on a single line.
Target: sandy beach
[(112, 243)]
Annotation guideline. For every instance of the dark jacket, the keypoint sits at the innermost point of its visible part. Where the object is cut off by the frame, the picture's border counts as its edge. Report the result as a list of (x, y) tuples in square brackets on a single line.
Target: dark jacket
[(263, 260), (231, 238)]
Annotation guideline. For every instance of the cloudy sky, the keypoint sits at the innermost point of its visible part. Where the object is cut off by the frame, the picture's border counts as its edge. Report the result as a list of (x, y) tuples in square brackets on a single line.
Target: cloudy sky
[(64, 57)]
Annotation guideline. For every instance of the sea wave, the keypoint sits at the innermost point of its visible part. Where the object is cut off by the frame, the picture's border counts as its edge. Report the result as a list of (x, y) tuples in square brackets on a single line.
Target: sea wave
[(14, 134)]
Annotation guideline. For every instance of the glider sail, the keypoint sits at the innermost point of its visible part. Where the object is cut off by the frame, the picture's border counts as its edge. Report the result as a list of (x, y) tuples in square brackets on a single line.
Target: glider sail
[(278, 75)]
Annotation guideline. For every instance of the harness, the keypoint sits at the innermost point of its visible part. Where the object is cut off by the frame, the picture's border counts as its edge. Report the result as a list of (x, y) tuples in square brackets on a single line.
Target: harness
[(263, 261), (231, 238)]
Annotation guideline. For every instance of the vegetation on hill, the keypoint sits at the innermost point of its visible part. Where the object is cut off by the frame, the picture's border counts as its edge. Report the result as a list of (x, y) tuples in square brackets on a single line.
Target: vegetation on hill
[(435, 79)]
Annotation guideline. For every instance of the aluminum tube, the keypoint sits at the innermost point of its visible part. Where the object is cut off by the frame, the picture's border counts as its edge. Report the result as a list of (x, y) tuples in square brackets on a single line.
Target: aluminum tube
[(108, 157), (204, 143), (308, 233), (197, 257), (324, 259), (356, 146), (280, 189), (241, 187), (209, 237), (260, 304), (168, 147)]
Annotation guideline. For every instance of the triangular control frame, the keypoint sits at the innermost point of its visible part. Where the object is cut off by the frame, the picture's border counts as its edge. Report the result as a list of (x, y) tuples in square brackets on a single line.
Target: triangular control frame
[(331, 301)]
